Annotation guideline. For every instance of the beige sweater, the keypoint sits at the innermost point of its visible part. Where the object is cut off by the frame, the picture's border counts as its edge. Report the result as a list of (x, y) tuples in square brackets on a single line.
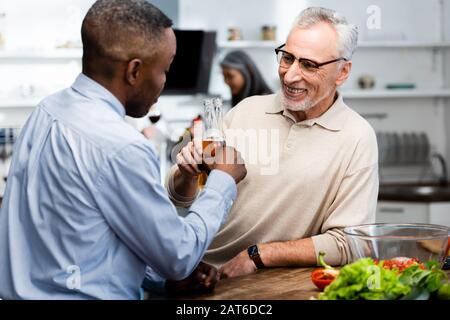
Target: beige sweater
[(305, 179)]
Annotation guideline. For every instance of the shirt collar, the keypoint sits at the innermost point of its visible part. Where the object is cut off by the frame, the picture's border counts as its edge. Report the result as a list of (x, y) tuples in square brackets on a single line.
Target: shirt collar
[(276, 107), (93, 90), (333, 119)]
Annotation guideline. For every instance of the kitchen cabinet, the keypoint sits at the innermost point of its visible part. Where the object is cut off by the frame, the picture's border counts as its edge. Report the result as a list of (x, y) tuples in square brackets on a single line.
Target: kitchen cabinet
[(439, 213), (407, 212)]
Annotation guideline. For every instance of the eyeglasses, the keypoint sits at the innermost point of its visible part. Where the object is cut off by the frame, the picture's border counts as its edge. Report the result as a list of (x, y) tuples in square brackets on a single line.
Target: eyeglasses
[(308, 67)]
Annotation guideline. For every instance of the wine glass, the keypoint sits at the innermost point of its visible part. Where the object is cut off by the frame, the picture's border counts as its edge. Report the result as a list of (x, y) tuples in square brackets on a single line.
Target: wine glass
[(154, 115)]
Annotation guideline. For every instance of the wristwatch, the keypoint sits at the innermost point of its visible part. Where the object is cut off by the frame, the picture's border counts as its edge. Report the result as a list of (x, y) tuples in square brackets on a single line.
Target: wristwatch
[(253, 253)]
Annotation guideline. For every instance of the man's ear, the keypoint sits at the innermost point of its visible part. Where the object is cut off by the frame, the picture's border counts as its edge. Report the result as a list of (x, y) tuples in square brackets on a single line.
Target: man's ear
[(344, 73), (133, 71)]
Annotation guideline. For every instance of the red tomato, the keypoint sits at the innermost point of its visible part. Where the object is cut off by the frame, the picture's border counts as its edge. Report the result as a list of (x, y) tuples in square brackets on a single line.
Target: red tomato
[(323, 277), (448, 246), (401, 263)]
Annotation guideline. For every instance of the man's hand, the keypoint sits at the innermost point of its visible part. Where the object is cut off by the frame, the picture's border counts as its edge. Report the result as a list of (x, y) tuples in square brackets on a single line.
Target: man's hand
[(202, 280), (189, 158), (149, 132), (238, 266), (226, 159), (229, 160)]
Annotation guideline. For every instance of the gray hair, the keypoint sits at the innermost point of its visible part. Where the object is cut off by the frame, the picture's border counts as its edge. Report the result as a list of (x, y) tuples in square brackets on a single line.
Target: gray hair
[(347, 33)]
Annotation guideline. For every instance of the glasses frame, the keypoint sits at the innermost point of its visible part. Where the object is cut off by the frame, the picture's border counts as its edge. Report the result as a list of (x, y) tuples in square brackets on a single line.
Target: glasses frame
[(316, 64)]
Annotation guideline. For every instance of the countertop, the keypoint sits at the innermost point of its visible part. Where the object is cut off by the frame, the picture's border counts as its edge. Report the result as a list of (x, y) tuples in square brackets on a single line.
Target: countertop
[(265, 284), (425, 193), (271, 283)]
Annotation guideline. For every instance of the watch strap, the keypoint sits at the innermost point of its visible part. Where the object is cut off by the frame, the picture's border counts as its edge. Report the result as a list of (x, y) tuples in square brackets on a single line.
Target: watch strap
[(253, 252)]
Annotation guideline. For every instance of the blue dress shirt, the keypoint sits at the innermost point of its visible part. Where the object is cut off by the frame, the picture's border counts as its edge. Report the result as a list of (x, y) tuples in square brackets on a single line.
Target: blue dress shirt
[(84, 211)]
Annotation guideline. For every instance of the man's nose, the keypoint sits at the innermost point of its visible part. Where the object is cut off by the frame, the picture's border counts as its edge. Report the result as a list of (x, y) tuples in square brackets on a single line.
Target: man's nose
[(293, 74)]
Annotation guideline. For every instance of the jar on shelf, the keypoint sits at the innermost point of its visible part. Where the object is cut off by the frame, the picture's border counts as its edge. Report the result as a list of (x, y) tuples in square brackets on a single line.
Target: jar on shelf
[(268, 33), (234, 34), (2, 29), (366, 81)]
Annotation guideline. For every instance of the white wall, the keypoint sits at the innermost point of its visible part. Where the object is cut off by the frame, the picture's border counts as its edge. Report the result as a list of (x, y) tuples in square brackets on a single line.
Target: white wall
[(409, 20), (43, 24), (400, 18), (37, 27)]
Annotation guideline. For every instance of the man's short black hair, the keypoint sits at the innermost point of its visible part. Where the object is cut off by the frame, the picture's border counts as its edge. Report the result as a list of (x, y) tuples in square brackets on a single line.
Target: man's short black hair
[(122, 29)]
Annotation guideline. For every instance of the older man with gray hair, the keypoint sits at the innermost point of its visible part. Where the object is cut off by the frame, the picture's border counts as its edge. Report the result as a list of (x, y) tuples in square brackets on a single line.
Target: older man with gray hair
[(327, 177)]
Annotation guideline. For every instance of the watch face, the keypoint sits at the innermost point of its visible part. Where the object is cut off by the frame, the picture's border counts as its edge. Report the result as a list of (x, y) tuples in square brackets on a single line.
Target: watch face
[(253, 250)]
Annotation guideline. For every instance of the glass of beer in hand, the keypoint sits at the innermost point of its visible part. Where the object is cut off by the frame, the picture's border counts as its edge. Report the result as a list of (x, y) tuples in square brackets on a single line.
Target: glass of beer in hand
[(212, 134)]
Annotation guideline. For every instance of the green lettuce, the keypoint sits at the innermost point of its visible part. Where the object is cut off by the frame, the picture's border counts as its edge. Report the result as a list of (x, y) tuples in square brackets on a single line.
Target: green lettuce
[(365, 279)]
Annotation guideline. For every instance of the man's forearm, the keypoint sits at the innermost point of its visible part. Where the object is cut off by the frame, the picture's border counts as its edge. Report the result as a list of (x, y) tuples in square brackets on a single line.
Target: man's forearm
[(289, 253), (298, 253)]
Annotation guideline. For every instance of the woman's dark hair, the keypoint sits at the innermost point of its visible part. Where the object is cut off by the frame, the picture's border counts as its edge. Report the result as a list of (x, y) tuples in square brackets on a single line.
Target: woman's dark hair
[(254, 82)]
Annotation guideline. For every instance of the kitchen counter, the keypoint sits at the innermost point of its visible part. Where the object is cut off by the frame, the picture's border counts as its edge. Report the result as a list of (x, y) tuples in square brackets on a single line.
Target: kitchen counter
[(270, 283), (414, 193), (265, 284)]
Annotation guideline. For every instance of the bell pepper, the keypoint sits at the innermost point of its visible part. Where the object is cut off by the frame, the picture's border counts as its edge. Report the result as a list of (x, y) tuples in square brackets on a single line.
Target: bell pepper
[(322, 277)]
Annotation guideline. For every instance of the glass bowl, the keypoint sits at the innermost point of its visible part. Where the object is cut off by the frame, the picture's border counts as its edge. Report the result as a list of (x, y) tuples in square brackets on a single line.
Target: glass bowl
[(383, 241)]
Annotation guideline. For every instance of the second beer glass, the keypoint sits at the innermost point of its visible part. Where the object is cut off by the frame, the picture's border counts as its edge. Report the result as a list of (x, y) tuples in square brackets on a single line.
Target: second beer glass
[(212, 132)]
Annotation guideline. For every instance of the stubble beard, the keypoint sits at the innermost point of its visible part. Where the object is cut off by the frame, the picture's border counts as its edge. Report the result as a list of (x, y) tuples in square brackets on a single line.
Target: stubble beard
[(304, 105)]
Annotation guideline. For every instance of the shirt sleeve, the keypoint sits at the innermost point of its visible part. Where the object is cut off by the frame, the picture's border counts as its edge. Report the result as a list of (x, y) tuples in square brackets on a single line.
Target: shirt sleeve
[(138, 210), (177, 199), (355, 203)]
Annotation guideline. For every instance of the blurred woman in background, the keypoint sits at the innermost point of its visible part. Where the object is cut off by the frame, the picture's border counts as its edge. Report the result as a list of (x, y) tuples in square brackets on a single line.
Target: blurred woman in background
[(242, 76)]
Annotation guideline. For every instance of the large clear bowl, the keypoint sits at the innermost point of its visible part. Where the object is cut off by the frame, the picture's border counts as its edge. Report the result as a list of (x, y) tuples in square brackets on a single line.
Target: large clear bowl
[(387, 241)]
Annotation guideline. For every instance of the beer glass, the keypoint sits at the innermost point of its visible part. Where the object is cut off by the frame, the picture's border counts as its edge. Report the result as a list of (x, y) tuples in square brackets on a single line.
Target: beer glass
[(212, 133)]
